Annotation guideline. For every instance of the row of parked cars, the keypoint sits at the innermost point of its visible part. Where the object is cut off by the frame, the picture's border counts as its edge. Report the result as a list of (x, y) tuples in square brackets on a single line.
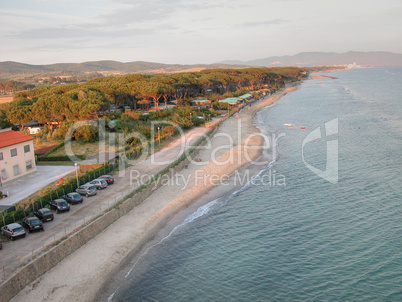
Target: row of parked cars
[(31, 224)]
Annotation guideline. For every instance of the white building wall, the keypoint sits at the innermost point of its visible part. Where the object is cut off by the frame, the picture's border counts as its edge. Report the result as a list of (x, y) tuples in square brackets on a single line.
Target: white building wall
[(12, 167)]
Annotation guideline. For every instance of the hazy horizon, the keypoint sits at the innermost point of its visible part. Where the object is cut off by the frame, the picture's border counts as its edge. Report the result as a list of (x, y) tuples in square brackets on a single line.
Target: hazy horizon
[(189, 32)]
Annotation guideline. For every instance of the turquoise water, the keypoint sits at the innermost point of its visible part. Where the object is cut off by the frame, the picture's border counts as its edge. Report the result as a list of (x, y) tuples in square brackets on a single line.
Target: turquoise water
[(307, 239)]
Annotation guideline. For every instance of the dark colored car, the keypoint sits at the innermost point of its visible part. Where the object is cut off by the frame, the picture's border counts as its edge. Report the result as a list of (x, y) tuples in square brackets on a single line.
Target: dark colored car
[(13, 231), (1, 245), (59, 205), (33, 224), (44, 215), (109, 179), (73, 198)]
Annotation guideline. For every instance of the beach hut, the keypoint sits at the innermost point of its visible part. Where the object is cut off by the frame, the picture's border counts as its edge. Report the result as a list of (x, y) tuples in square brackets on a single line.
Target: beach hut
[(232, 101), (246, 97), (205, 103)]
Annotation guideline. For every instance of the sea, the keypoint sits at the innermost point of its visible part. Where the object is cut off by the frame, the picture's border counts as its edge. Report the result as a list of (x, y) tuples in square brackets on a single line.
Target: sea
[(321, 222)]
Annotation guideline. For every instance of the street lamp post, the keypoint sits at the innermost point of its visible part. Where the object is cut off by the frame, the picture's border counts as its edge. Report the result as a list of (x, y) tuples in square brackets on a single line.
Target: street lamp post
[(190, 116), (76, 173), (159, 136)]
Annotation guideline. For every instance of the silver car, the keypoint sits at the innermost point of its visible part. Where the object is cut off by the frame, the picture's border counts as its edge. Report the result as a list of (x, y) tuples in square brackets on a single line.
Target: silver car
[(99, 183), (87, 190), (13, 231)]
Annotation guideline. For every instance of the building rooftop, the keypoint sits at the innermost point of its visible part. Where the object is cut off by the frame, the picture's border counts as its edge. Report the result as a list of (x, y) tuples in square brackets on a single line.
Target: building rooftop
[(32, 124), (201, 101), (9, 137)]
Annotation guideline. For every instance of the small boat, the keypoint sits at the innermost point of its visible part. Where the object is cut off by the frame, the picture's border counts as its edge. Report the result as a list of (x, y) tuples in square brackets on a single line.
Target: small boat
[(302, 127), (288, 125)]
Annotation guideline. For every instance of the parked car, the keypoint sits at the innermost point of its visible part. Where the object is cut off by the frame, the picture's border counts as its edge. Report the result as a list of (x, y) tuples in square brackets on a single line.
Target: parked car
[(13, 231), (1, 245), (73, 198), (109, 179), (33, 224), (87, 190), (99, 183), (44, 215), (59, 205)]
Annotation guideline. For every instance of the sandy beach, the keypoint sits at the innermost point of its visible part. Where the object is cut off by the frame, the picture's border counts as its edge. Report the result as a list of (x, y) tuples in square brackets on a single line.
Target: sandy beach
[(236, 147)]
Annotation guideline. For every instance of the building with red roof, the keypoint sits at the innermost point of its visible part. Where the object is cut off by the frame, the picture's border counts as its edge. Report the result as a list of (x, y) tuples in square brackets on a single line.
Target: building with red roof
[(17, 157)]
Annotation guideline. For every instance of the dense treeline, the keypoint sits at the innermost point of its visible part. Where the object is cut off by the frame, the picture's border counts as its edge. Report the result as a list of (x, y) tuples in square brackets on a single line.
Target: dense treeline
[(73, 102), (12, 86)]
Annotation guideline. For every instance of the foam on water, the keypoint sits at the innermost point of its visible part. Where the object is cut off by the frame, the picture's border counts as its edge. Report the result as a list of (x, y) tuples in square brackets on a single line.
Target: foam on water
[(200, 212)]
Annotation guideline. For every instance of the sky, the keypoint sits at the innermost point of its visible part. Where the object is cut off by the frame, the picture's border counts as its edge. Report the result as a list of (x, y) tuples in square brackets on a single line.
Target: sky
[(192, 31)]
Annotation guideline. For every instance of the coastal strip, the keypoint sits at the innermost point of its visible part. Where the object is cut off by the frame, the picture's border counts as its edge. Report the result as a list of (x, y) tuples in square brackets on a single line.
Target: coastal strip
[(83, 274)]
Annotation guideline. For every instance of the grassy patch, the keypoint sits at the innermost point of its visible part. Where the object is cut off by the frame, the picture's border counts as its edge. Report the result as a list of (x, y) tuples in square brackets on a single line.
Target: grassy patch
[(55, 163), (86, 149)]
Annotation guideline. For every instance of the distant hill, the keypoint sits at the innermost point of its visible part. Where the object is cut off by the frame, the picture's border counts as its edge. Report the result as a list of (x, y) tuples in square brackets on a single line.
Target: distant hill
[(373, 58), (14, 70), (9, 70)]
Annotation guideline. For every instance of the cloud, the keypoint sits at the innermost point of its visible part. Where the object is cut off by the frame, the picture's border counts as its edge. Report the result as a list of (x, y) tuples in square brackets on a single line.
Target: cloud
[(265, 23), (151, 10), (169, 29), (34, 15), (80, 44), (80, 32), (131, 19)]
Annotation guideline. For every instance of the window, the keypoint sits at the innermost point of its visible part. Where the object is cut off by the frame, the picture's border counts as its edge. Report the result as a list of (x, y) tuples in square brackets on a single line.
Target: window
[(3, 174), (28, 165), (26, 149), (16, 170), (14, 152), (1, 155)]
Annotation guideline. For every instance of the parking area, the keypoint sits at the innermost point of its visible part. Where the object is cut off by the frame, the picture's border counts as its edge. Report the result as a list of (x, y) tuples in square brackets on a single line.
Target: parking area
[(26, 185), (17, 252)]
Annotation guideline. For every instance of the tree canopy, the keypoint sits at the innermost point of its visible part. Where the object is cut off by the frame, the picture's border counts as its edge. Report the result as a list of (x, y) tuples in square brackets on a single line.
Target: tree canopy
[(72, 102)]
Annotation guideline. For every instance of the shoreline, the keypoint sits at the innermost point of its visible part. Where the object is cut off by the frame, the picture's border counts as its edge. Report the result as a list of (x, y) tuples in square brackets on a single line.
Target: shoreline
[(112, 250)]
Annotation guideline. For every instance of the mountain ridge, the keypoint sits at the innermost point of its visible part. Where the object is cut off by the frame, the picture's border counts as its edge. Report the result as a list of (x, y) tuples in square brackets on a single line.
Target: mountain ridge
[(11, 70), (304, 59), (8, 69)]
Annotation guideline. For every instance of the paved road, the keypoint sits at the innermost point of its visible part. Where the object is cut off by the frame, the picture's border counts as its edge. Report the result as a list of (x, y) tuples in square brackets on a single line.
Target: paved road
[(92, 206), (25, 186)]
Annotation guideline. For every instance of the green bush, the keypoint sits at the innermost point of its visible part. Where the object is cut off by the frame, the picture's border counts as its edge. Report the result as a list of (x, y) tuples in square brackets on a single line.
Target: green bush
[(197, 121), (61, 145), (61, 131), (87, 133), (58, 158), (223, 106), (168, 130)]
